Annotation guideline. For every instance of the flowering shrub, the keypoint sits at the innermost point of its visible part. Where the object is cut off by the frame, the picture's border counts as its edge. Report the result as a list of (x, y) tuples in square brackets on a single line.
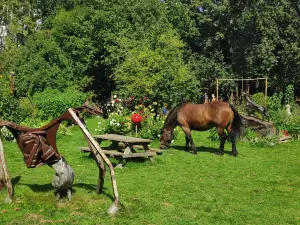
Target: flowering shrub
[(115, 124), (151, 128), (5, 133), (119, 121)]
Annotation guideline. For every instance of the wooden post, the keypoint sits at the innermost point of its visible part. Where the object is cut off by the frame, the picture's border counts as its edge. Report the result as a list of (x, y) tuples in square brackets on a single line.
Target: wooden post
[(4, 175), (242, 84), (92, 142), (136, 128), (217, 89), (266, 91)]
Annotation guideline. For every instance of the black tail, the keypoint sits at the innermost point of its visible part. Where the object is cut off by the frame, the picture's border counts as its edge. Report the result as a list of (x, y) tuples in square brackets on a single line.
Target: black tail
[(237, 124)]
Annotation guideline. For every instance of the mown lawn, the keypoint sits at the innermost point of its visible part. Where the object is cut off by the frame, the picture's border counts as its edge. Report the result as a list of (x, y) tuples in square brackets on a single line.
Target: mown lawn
[(260, 186)]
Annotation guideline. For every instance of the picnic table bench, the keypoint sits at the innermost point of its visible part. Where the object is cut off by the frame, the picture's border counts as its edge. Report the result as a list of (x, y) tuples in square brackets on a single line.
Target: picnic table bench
[(125, 147)]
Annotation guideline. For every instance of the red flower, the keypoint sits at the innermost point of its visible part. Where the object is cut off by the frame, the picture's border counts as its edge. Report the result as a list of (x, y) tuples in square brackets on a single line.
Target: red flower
[(136, 118), (116, 100)]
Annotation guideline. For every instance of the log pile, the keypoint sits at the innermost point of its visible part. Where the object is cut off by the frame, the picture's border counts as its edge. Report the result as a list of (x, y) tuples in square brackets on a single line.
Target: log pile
[(263, 128)]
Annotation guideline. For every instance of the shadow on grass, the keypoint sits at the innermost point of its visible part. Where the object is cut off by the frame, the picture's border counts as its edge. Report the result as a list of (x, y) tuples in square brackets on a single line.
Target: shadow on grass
[(39, 187), (49, 187), (200, 149)]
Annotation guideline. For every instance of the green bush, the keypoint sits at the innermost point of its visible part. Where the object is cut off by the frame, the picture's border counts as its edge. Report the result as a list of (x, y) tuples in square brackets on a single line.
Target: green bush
[(259, 98), (9, 105), (51, 103), (249, 135), (151, 128)]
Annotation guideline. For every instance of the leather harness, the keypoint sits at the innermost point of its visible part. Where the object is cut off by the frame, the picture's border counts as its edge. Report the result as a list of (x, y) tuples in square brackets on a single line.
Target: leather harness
[(39, 150)]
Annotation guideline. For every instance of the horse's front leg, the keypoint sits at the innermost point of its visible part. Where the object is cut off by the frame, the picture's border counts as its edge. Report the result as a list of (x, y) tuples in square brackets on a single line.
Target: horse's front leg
[(189, 139)]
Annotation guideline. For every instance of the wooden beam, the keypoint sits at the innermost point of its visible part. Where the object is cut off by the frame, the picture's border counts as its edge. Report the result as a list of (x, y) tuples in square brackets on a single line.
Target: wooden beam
[(5, 175), (114, 207)]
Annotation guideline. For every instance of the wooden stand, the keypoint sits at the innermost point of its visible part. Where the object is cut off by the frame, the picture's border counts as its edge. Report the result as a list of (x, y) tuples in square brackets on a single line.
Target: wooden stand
[(4, 176), (100, 156)]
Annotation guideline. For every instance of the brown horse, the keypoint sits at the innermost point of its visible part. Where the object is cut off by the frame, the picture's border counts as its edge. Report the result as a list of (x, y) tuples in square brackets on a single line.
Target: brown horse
[(202, 117)]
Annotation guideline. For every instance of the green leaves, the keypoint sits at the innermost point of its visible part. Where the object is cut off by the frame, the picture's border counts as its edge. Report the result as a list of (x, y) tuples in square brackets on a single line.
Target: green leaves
[(162, 49), (157, 71), (51, 103)]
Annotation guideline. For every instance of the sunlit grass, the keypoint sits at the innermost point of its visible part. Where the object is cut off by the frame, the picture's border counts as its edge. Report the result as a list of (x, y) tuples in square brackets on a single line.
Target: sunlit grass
[(260, 186)]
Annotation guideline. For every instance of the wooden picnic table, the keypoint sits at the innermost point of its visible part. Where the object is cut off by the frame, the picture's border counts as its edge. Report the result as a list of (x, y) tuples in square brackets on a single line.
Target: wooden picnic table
[(125, 147)]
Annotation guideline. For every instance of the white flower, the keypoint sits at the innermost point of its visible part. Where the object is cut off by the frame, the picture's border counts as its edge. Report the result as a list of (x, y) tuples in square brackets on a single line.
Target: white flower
[(111, 122), (115, 96), (172, 141), (158, 135), (99, 123), (118, 124), (113, 102), (120, 99)]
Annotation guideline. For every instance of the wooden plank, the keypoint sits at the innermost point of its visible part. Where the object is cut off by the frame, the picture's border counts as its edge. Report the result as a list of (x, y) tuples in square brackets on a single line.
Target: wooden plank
[(141, 147), (122, 138), (150, 149), (5, 178), (113, 152), (87, 149), (135, 155), (117, 153)]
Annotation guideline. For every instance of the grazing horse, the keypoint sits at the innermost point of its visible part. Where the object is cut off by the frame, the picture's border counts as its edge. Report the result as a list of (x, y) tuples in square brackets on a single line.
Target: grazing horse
[(201, 117)]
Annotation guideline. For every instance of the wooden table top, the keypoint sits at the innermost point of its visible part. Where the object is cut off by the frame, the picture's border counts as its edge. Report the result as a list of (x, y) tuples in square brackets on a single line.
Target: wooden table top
[(122, 138)]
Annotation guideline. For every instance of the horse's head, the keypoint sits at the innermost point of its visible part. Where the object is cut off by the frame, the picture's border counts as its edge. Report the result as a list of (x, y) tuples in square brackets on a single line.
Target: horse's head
[(165, 138)]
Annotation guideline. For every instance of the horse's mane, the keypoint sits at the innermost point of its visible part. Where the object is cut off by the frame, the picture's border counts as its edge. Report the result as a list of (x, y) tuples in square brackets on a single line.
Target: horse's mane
[(171, 120)]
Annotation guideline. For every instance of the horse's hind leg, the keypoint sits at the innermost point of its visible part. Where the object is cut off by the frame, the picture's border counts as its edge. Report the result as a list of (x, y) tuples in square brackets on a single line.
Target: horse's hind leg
[(233, 139), (222, 136), (189, 138), (187, 143)]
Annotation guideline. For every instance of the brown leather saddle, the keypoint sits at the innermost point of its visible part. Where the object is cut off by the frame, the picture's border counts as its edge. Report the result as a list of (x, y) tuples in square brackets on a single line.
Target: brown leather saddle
[(36, 149)]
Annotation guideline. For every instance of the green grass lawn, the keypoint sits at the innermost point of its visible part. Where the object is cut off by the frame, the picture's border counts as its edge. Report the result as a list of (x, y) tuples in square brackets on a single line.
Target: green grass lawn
[(260, 186)]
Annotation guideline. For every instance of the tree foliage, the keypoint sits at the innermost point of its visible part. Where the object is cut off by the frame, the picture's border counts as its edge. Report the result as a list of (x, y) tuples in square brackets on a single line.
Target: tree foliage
[(161, 49)]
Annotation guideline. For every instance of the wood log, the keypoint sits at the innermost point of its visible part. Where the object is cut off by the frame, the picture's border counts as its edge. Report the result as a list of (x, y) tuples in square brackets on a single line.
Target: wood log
[(4, 175), (114, 207), (252, 105), (261, 127)]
